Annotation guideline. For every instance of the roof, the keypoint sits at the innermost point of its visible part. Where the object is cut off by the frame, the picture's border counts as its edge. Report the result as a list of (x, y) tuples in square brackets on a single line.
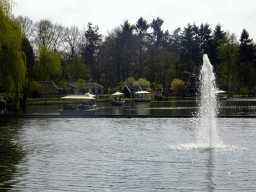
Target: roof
[(89, 85), (135, 88), (47, 87)]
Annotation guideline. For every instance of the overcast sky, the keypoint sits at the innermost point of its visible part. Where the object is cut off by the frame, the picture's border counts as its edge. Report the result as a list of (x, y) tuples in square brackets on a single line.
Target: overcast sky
[(233, 15)]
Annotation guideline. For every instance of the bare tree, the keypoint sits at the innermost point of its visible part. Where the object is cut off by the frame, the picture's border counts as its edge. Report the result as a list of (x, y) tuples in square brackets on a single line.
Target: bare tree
[(49, 35), (26, 25), (72, 41)]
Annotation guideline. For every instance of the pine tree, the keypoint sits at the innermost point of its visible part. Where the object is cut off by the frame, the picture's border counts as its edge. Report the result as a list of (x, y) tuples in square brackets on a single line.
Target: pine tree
[(246, 56), (217, 35)]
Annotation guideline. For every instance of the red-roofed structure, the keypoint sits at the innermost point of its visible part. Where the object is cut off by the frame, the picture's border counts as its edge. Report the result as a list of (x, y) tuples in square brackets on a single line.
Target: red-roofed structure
[(47, 88)]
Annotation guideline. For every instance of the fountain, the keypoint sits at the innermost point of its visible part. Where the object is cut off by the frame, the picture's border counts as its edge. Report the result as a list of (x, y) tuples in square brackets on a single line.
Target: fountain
[(205, 120), (207, 135)]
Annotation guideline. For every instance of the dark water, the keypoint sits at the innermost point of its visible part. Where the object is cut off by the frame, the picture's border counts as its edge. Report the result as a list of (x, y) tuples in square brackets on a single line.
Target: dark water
[(151, 154), (124, 155), (154, 108)]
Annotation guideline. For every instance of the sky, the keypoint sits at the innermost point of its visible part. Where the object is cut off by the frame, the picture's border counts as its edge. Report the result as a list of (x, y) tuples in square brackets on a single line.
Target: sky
[(232, 15)]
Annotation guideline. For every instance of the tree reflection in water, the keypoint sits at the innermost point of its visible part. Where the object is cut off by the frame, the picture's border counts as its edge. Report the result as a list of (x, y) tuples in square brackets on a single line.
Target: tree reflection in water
[(11, 152)]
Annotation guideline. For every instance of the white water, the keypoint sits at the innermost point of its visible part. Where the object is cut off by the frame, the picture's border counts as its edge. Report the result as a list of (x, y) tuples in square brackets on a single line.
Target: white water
[(206, 120), (207, 134)]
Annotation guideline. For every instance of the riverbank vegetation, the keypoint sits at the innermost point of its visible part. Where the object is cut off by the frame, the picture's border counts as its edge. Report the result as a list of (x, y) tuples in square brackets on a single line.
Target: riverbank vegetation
[(142, 53)]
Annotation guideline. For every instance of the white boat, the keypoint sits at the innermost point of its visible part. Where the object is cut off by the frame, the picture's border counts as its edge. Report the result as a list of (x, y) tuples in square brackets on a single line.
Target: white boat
[(117, 101), (86, 107), (140, 97)]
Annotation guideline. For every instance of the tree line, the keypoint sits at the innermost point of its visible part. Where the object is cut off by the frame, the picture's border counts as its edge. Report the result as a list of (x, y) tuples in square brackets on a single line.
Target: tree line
[(47, 51)]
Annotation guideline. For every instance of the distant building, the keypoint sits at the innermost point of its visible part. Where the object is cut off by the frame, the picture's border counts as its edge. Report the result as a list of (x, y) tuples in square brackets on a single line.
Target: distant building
[(47, 88), (129, 90), (91, 87)]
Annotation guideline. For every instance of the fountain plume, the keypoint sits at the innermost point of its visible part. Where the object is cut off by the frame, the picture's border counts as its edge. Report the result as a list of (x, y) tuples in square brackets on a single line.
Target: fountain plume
[(207, 133)]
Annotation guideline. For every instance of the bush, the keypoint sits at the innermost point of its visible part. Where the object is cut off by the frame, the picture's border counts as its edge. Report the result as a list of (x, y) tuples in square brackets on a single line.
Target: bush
[(143, 83), (178, 87)]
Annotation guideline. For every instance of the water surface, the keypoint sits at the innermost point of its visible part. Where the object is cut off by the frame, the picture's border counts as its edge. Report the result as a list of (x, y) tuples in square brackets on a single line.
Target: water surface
[(124, 155), (155, 108)]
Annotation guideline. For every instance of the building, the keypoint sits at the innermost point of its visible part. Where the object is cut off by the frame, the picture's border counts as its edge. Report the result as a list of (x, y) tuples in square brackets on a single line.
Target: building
[(47, 88), (129, 90), (89, 87)]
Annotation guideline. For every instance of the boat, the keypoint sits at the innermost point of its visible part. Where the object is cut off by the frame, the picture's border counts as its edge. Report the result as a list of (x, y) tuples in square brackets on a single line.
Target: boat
[(87, 106), (117, 101), (219, 96), (140, 93)]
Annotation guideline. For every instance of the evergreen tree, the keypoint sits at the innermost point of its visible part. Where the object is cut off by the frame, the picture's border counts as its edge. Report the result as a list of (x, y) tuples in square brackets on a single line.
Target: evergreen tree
[(187, 45), (30, 57), (205, 38), (142, 46), (142, 27), (217, 35), (30, 85), (90, 50), (158, 34), (247, 56), (119, 51)]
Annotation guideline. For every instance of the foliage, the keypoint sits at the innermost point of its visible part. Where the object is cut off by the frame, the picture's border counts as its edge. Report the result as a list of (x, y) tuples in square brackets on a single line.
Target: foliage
[(91, 48), (129, 81), (62, 83), (30, 57), (246, 67), (156, 86), (164, 67), (176, 82), (81, 84), (178, 87), (12, 59), (143, 83), (33, 86), (227, 74), (141, 50), (179, 90), (244, 91), (77, 69), (47, 64), (48, 35)]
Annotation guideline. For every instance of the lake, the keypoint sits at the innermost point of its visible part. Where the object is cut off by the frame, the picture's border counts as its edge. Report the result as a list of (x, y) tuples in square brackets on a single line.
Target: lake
[(183, 107), (121, 154)]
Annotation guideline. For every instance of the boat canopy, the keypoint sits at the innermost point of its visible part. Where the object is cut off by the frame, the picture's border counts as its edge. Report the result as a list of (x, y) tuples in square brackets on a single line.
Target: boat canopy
[(77, 97), (142, 92), (89, 95), (117, 94), (220, 91)]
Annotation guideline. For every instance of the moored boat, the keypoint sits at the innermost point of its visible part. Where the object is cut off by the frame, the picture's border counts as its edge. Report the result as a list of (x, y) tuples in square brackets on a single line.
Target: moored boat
[(117, 101), (140, 97), (87, 106)]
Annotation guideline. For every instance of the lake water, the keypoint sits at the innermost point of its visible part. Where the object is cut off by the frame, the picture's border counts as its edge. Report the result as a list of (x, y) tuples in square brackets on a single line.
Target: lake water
[(154, 108), (124, 155), (121, 154)]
